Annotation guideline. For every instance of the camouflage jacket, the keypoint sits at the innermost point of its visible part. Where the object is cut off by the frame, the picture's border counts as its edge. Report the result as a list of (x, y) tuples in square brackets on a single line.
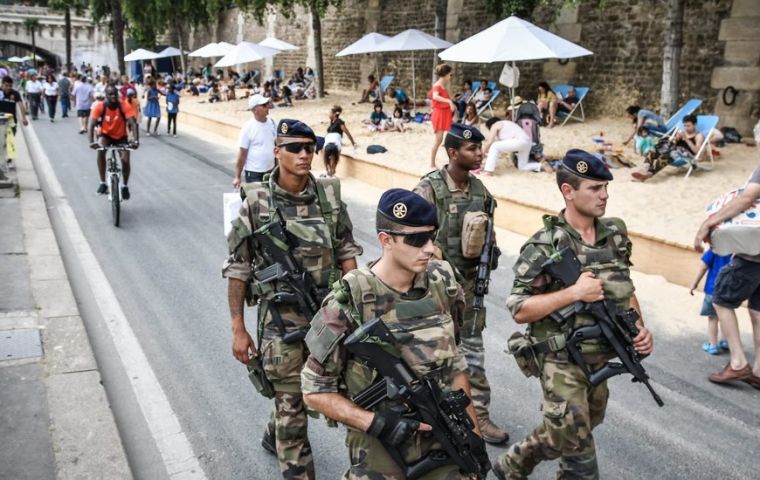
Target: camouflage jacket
[(608, 258), (452, 203), (319, 251)]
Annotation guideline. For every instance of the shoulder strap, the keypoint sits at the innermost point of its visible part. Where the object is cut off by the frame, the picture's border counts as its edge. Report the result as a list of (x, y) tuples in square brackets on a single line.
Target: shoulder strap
[(441, 193), (359, 291), (328, 192), (259, 193)]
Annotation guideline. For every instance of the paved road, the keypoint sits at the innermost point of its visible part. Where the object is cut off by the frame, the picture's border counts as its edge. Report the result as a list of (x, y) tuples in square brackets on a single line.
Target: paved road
[(164, 265)]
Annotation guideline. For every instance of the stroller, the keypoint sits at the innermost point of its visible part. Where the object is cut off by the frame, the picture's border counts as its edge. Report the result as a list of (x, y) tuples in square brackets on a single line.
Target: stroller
[(528, 117)]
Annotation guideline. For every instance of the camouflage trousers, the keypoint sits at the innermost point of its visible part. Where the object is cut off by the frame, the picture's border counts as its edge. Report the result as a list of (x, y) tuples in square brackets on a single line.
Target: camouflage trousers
[(371, 461), (572, 408), (471, 338), (282, 364)]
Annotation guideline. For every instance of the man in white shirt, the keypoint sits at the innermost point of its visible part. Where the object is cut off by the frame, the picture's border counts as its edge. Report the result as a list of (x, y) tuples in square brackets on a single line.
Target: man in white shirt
[(507, 136), (256, 143), (34, 94)]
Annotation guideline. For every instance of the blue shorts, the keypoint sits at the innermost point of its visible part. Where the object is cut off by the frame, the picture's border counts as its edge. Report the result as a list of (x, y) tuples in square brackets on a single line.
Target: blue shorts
[(707, 307)]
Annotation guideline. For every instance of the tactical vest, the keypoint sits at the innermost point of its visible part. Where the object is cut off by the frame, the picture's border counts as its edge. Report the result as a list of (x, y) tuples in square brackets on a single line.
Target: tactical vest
[(424, 328), (451, 213), (609, 262), (317, 235)]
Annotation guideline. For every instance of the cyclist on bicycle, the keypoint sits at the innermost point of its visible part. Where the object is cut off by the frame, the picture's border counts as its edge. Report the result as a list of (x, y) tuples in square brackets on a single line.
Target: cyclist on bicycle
[(118, 127)]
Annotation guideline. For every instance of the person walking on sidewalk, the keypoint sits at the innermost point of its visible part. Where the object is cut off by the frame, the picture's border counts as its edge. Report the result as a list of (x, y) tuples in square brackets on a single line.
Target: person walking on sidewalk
[(50, 89), (83, 95), (461, 201), (710, 264), (172, 109), (257, 137), (64, 84), (318, 221), (34, 94), (152, 108), (10, 102), (738, 281)]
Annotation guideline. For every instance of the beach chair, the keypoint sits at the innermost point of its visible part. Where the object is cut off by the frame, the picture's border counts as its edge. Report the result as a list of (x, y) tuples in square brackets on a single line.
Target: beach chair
[(576, 113), (705, 126), (489, 106), (672, 124), (385, 82), (493, 86)]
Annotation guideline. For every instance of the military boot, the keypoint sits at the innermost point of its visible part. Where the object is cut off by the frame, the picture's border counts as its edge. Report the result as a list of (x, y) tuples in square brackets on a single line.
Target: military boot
[(491, 433), (268, 440)]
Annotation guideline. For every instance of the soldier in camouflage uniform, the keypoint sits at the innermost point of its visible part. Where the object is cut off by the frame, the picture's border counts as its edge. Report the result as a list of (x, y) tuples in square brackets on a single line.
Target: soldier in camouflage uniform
[(456, 193), (571, 406), (420, 301), (315, 215)]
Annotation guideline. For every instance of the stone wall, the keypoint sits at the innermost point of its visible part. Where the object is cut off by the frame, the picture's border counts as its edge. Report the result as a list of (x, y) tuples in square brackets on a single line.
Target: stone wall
[(626, 37)]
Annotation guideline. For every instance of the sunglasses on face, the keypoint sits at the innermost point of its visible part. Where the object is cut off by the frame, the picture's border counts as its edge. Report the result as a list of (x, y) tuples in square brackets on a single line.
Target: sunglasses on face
[(414, 239), (296, 147)]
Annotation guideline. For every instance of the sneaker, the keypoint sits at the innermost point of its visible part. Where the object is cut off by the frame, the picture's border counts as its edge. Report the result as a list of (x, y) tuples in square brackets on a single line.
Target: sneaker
[(710, 348), (268, 442), (125, 192), (491, 433), (723, 344), (102, 189)]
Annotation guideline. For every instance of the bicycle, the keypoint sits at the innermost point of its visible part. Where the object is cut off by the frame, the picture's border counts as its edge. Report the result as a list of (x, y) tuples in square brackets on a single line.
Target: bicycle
[(113, 171)]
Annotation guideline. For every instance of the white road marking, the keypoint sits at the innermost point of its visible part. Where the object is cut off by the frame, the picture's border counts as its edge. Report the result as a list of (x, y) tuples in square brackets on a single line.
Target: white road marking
[(175, 448)]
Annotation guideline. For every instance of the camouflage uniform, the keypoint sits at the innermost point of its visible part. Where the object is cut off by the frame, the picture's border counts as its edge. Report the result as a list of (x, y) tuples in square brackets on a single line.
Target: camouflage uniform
[(320, 251), (423, 319), (452, 204), (571, 406)]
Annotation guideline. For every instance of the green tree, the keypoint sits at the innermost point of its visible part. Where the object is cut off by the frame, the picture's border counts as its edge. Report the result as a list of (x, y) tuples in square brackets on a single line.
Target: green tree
[(66, 7), (32, 25), (111, 10)]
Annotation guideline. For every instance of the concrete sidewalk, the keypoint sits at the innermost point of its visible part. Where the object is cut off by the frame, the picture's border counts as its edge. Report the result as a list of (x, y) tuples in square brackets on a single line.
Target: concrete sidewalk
[(55, 420)]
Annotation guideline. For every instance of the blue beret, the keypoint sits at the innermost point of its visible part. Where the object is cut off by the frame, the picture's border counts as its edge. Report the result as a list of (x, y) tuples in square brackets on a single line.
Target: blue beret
[(407, 208), (294, 128), (467, 133), (586, 165)]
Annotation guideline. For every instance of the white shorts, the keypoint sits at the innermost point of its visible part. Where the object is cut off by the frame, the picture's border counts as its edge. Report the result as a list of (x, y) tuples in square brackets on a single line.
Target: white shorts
[(334, 138)]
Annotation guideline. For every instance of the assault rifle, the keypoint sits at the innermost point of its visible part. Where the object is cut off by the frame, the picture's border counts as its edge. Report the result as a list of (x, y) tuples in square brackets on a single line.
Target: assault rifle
[(425, 402), (277, 244), (617, 327), (488, 258)]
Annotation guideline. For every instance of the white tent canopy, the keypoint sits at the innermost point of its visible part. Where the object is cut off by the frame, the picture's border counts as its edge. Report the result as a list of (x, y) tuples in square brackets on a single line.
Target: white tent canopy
[(15, 60), (277, 44), (409, 41), (213, 50), (140, 54), (245, 52), (366, 44), (512, 40), (170, 52)]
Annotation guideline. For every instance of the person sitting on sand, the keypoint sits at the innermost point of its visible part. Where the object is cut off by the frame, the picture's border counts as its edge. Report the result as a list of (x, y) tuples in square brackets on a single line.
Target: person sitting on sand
[(471, 118), (397, 122), (371, 91), (686, 145), (645, 142), (378, 120), (640, 117), (547, 103), (399, 96)]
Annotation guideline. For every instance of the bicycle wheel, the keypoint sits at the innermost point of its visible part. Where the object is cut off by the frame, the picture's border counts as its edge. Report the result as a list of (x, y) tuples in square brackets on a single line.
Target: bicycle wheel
[(115, 199)]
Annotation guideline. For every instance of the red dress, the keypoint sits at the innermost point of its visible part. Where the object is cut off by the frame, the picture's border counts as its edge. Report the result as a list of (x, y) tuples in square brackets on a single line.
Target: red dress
[(442, 114)]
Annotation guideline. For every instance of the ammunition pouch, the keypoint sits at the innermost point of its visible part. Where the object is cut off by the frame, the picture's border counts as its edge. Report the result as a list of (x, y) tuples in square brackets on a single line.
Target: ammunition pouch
[(474, 228), (529, 354), (258, 378)]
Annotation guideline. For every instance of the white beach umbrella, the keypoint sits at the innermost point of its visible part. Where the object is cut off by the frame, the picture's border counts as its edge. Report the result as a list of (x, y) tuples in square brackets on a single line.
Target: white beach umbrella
[(15, 60), (366, 44), (25, 58), (169, 52), (277, 44), (409, 41), (212, 50), (245, 52), (140, 54), (512, 40)]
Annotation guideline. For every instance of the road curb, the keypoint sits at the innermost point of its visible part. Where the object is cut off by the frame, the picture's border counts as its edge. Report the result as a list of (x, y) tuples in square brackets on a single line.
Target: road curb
[(83, 430)]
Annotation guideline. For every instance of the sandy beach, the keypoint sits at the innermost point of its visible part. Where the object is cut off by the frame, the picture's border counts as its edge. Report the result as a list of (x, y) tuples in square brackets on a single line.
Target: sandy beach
[(667, 206)]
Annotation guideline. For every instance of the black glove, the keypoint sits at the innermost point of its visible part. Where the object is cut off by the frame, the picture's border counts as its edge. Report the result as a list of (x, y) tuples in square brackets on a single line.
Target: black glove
[(392, 428)]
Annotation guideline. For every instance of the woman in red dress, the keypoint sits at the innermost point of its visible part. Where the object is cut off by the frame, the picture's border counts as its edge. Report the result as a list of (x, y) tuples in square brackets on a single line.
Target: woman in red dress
[(443, 108)]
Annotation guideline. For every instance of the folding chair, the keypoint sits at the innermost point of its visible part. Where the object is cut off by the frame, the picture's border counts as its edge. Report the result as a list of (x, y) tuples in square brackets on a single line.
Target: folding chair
[(705, 125), (672, 124), (385, 83), (563, 90), (493, 86), (488, 106)]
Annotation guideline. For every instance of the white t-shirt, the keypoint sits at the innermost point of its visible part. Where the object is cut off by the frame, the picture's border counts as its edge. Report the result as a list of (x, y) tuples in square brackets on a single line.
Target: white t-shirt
[(33, 86), (258, 138), (511, 131), (51, 89)]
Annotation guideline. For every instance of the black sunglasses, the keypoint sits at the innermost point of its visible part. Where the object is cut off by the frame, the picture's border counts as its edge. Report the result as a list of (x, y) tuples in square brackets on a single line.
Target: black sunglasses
[(296, 147), (414, 239)]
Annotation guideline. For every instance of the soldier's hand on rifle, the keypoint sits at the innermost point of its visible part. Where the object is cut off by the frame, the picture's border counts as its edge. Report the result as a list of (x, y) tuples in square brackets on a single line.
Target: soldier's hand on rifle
[(643, 343), (394, 429), (588, 288), (242, 344)]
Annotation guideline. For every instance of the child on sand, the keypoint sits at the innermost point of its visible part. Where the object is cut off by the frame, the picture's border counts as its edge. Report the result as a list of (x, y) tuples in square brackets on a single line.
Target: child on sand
[(711, 264), (378, 120), (644, 141)]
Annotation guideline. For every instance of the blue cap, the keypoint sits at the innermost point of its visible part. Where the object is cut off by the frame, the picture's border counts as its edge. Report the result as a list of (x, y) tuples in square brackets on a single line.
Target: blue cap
[(407, 208), (294, 128), (585, 165), (467, 133)]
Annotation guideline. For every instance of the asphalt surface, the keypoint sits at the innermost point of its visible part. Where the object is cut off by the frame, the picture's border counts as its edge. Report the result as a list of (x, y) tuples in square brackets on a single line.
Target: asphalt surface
[(164, 263)]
